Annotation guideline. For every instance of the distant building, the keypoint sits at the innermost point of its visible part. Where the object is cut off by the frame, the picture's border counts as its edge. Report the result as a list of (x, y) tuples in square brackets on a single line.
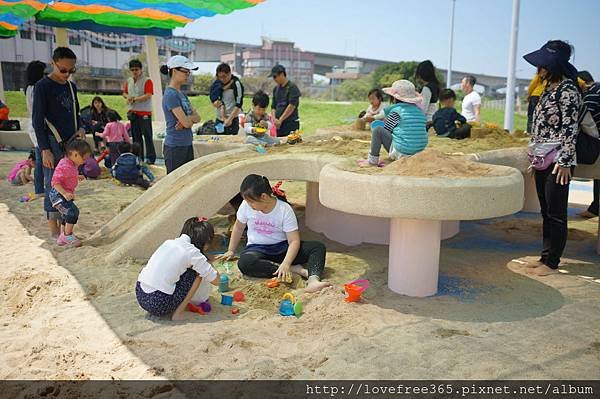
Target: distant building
[(101, 58), (352, 70), (258, 61)]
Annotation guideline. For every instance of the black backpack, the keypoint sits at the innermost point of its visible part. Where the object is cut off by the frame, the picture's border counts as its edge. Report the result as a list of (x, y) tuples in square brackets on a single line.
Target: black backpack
[(587, 147)]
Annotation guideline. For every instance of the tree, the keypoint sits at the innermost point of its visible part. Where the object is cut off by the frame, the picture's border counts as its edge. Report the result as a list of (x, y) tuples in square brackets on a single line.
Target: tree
[(252, 84), (202, 82), (401, 70), (354, 89)]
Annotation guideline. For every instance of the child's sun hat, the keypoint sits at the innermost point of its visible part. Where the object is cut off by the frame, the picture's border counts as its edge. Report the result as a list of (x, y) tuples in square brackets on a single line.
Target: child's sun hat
[(404, 90)]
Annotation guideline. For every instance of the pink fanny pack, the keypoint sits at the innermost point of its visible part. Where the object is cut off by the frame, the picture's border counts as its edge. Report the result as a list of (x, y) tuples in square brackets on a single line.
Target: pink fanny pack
[(542, 155)]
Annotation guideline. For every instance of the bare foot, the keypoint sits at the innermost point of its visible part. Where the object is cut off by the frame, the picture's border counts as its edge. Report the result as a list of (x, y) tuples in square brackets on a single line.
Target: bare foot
[(299, 270), (534, 264), (314, 285), (586, 214), (542, 271), (177, 316)]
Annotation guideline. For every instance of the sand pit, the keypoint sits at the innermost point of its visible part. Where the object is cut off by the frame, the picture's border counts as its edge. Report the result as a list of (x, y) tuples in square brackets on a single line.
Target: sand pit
[(466, 331), (433, 163), (356, 143)]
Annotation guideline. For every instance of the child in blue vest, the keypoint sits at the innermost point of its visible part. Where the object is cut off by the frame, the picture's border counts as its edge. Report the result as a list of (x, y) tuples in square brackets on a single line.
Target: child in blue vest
[(404, 133), (128, 168)]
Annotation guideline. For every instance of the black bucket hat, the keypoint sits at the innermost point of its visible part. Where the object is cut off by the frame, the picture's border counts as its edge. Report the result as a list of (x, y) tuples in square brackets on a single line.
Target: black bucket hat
[(553, 59)]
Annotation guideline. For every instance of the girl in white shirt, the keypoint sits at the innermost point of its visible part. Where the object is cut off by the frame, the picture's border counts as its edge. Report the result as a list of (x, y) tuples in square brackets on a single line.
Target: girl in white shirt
[(175, 271), (274, 247)]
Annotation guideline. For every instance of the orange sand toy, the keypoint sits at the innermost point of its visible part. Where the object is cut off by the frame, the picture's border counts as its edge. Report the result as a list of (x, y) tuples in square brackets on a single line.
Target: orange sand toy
[(354, 290), (195, 309), (272, 283)]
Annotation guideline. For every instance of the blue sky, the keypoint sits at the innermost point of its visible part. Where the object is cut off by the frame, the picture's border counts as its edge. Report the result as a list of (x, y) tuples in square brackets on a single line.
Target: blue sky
[(402, 30)]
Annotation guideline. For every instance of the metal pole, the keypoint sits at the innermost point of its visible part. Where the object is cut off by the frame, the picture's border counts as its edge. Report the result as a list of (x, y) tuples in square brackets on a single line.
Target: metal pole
[(449, 77), (509, 110)]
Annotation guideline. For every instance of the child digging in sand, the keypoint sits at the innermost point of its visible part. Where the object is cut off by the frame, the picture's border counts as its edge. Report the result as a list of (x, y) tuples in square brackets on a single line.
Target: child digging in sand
[(274, 247), (62, 194), (175, 271), (20, 174), (375, 111), (257, 125)]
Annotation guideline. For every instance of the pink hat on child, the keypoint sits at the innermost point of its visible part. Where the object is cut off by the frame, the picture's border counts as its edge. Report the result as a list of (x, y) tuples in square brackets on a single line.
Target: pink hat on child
[(404, 90)]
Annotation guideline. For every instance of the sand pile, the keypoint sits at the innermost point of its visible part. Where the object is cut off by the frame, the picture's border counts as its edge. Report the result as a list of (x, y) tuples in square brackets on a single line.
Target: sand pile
[(356, 144), (432, 163)]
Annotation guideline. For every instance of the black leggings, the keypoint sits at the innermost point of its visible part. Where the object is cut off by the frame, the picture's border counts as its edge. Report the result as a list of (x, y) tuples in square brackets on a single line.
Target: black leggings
[(311, 255), (554, 203)]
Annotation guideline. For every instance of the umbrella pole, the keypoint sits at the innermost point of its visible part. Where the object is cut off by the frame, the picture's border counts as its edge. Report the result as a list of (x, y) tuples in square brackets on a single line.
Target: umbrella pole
[(62, 37), (2, 97), (154, 71)]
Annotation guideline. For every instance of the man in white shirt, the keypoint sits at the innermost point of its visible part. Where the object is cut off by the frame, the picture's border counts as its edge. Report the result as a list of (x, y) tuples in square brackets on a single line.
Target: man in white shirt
[(471, 104)]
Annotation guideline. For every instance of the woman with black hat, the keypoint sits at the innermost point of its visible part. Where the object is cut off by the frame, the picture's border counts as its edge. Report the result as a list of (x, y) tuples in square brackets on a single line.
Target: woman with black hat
[(552, 147)]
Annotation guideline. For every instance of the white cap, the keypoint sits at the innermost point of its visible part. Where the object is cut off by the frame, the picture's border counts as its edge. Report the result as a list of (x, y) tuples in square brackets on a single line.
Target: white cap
[(179, 61)]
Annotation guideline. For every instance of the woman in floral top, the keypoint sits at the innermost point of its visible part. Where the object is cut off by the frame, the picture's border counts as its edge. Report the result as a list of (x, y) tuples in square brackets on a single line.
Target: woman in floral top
[(555, 126)]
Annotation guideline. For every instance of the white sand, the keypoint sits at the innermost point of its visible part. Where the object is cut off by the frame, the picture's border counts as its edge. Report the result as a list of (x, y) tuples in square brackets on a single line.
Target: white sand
[(501, 325)]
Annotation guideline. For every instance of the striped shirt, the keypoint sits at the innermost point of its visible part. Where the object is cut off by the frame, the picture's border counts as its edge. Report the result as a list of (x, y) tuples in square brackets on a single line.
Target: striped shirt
[(391, 121), (591, 102)]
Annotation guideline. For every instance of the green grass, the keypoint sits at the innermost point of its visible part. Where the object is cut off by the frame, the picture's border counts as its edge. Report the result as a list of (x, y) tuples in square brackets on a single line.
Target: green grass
[(313, 113)]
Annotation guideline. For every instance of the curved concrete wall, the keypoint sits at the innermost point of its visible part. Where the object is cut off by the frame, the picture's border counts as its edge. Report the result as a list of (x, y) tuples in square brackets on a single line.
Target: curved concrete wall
[(421, 198), (192, 191)]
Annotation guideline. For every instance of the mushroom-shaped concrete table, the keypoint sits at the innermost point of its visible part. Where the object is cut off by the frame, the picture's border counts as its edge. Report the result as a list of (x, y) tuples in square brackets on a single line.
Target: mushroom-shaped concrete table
[(416, 207)]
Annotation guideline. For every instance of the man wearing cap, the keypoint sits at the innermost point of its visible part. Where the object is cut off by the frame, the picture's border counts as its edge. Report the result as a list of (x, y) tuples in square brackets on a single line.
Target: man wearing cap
[(138, 91), (286, 99)]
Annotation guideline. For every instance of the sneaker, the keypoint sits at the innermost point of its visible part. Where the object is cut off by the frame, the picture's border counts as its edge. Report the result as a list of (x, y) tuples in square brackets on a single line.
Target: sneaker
[(70, 241)]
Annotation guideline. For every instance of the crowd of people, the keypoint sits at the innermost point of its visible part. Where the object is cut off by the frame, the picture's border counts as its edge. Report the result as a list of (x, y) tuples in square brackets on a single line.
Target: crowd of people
[(560, 111)]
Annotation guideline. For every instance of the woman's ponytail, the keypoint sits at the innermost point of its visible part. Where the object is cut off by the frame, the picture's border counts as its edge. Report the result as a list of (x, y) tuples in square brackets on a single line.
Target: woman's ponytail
[(164, 69)]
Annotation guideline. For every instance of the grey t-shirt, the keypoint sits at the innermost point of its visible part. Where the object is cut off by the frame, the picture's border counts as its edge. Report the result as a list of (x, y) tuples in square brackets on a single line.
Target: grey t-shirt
[(232, 97)]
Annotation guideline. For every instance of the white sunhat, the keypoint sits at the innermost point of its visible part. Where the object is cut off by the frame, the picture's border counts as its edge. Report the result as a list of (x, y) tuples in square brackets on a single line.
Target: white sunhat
[(179, 61), (404, 90)]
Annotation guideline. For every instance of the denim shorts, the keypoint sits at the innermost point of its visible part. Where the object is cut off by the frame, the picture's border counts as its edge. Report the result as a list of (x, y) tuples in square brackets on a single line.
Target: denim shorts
[(69, 213)]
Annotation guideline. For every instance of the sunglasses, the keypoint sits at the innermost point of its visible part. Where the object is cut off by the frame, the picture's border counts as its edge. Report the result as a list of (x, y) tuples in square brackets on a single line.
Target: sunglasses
[(186, 71), (65, 71)]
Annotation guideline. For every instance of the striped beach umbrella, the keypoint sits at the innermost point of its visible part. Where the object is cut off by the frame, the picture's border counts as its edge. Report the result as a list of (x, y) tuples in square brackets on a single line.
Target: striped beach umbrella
[(14, 13), (141, 17), (149, 18)]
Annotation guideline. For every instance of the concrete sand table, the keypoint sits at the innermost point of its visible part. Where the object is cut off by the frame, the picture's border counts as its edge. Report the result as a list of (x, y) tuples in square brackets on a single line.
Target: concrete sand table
[(417, 207)]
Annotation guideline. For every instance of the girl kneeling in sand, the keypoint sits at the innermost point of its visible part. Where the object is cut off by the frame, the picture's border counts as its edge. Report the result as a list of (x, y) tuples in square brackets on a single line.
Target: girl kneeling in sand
[(173, 274), (274, 247)]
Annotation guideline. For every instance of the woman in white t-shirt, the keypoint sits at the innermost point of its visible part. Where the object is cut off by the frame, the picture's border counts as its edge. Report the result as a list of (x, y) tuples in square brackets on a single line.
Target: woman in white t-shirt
[(176, 270), (274, 247)]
